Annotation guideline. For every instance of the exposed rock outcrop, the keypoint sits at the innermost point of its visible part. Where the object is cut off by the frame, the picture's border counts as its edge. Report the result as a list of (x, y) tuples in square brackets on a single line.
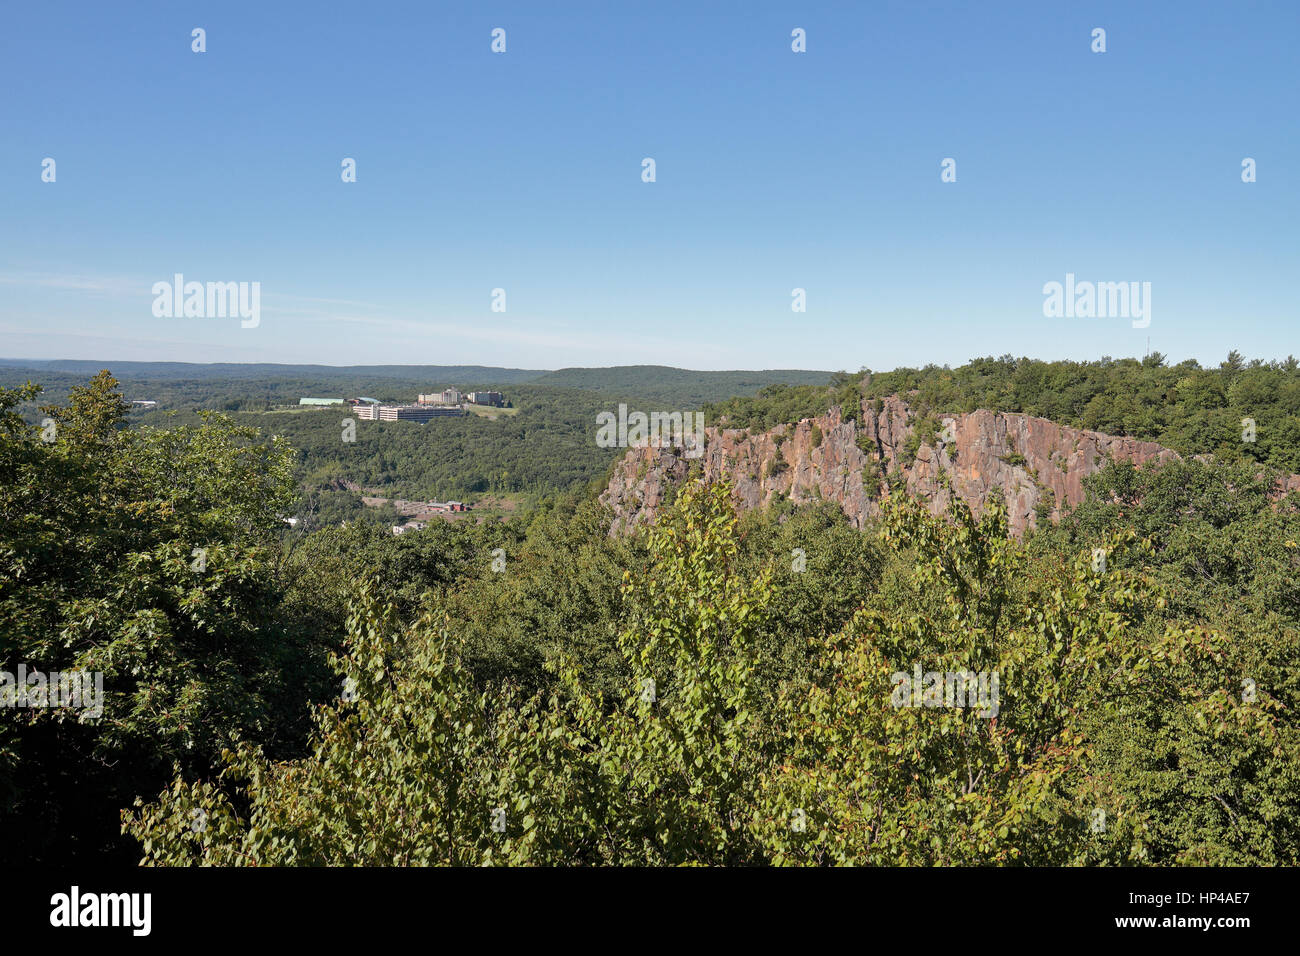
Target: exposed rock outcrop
[(1035, 463)]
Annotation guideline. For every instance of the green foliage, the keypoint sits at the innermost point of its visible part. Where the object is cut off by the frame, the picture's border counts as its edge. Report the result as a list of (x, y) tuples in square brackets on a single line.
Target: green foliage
[(150, 557), (677, 387), (678, 759), (559, 594), (415, 767), (1221, 778), (742, 752), (1100, 701), (775, 466), (924, 432), (785, 404)]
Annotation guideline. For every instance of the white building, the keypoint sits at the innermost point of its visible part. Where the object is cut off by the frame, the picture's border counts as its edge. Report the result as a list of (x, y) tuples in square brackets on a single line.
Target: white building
[(448, 396)]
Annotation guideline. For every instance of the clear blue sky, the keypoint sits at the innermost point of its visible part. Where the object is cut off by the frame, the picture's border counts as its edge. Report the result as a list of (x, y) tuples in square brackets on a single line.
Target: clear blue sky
[(522, 171)]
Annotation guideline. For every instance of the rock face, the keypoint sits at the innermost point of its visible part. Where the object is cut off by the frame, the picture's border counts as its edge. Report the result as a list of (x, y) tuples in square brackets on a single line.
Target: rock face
[(1032, 461)]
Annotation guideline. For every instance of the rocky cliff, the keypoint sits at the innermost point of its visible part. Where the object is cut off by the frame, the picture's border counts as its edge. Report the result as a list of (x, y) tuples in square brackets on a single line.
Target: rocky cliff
[(1037, 464)]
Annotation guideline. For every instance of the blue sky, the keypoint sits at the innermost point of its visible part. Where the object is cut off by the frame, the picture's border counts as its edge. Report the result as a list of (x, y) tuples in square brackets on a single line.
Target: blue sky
[(522, 171)]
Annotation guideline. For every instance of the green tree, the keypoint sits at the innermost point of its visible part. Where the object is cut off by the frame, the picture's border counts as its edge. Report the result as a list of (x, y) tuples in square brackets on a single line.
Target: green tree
[(148, 557)]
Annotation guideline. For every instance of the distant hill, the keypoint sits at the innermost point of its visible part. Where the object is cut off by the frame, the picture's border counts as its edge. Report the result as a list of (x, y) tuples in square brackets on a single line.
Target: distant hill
[(678, 385), (192, 371), (234, 386)]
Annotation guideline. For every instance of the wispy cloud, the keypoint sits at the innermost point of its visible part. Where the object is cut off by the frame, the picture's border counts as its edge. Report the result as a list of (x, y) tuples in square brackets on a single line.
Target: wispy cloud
[(498, 331), (98, 285), (274, 296), (302, 312)]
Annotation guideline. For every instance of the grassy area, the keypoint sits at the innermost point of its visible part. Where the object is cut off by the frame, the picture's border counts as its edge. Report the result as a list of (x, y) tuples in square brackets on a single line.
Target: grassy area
[(487, 411)]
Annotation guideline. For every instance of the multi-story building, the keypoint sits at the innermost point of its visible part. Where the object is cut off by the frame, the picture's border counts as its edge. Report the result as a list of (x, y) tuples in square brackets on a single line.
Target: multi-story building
[(448, 396), (404, 413), (487, 398)]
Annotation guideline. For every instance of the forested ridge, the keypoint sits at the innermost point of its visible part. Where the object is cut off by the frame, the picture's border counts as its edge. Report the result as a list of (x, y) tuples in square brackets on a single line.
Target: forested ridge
[(1186, 407), (717, 689)]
